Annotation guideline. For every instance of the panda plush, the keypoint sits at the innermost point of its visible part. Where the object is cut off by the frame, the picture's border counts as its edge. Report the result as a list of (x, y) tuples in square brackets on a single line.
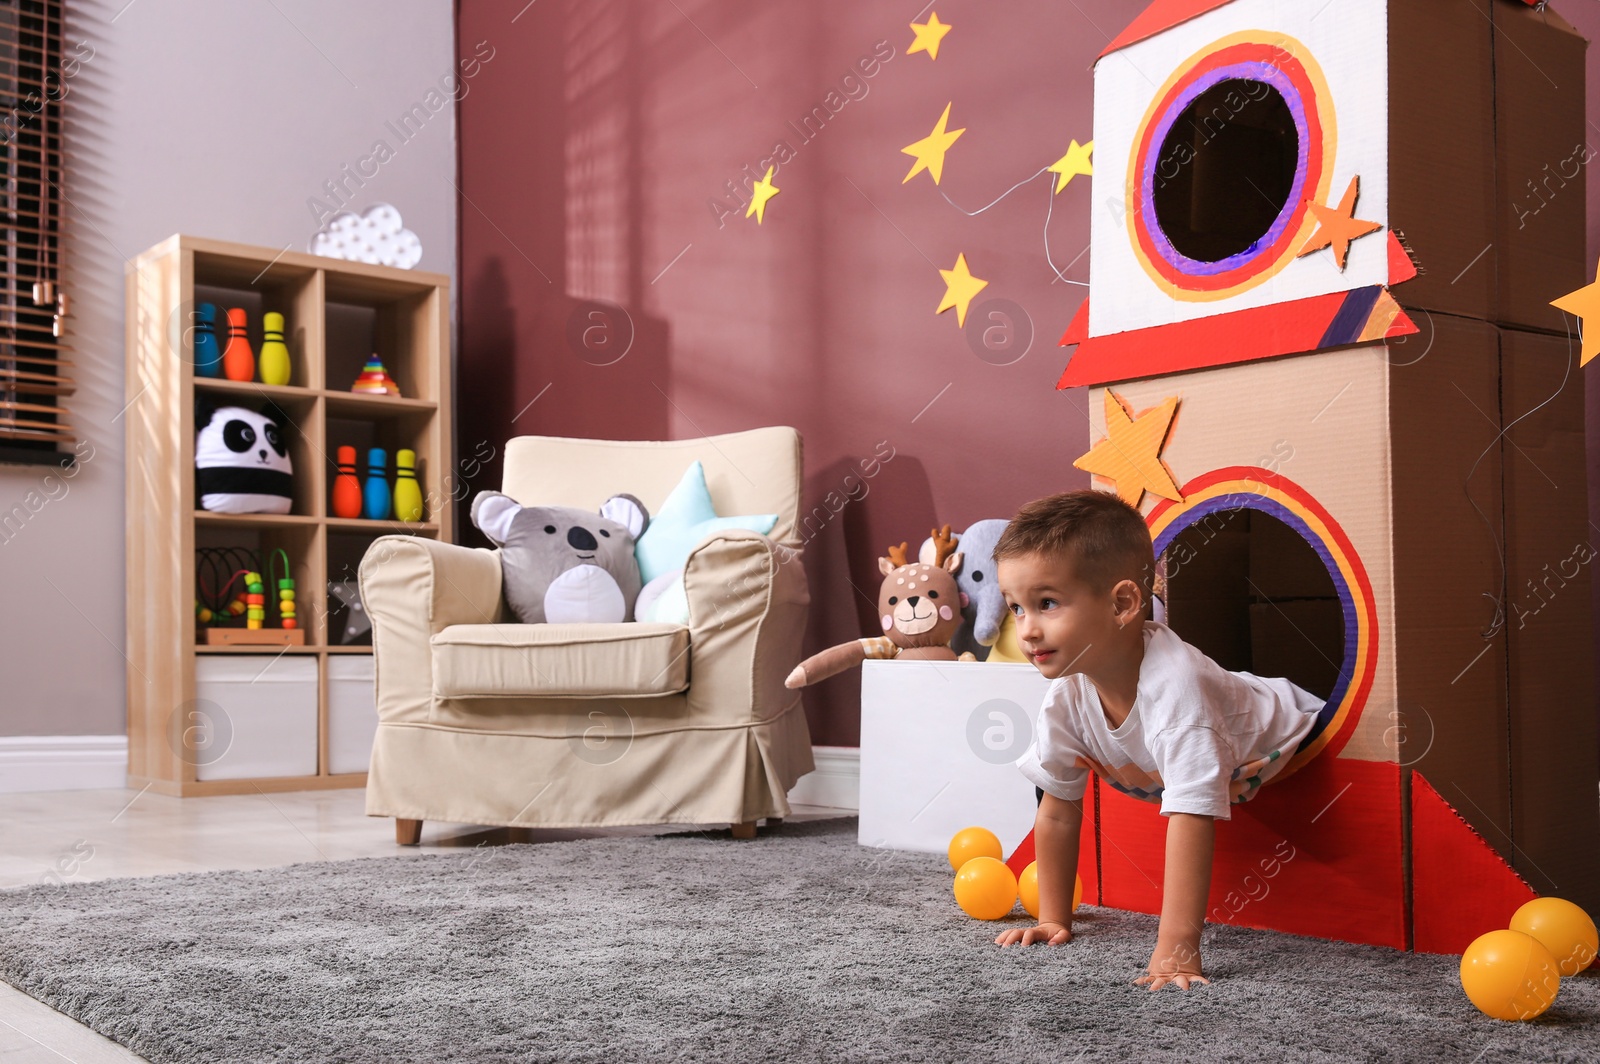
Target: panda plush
[(241, 460)]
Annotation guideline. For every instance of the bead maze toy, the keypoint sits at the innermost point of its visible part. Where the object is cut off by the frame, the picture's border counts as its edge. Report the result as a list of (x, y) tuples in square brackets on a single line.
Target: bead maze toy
[(219, 607)]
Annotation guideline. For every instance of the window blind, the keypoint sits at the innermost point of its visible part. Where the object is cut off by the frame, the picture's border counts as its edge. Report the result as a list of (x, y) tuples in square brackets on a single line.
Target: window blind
[(35, 373)]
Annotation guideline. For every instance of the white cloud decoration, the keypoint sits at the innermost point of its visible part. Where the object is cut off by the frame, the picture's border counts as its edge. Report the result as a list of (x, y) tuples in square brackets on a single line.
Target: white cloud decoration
[(376, 235)]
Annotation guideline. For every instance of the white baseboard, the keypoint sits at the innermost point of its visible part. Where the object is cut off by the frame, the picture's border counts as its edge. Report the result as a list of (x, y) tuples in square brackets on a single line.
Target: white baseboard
[(836, 782), (63, 763)]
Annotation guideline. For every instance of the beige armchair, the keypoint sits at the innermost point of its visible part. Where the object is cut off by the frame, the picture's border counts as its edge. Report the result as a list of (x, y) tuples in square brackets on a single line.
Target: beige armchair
[(485, 721)]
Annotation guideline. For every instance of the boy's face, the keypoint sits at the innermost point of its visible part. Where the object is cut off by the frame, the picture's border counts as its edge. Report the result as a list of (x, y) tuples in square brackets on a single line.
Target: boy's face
[(1063, 624)]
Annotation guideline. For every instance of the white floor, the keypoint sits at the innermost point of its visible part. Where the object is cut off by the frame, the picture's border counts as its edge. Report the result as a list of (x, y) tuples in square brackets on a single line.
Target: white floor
[(85, 835)]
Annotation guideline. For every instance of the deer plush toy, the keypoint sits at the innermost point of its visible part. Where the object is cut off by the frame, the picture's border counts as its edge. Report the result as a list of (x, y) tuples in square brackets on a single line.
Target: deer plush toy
[(919, 606)]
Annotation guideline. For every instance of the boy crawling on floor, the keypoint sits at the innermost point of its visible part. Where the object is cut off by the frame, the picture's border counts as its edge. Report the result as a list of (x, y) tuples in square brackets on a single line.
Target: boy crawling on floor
[(1148, 713)]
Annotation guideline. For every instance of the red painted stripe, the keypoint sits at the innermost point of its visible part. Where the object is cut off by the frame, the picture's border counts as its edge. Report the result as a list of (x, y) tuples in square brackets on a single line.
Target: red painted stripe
[(1159, 16)]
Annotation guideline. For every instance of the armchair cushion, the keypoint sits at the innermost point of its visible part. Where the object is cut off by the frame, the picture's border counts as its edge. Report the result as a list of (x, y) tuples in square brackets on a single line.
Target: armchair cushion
[(625, 660)]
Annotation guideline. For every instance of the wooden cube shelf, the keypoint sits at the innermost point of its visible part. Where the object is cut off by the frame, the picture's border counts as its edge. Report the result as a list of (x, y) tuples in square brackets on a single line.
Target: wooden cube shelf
[(335, 314)]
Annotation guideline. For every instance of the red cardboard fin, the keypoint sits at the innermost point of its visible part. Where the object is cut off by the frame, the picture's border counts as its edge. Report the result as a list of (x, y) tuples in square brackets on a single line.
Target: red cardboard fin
[(1159, 17), (1295, 327), (1401, 268), (1460, 887)]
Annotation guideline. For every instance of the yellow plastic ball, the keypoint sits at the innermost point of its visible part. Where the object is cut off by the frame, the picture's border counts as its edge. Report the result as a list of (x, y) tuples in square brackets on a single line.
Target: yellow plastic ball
[(1509, 975), (1562, 928), (985, 888), (1028, 889), (973, 842)]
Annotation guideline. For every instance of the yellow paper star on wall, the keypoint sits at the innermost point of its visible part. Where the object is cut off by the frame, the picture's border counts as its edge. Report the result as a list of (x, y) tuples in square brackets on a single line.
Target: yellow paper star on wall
[(1075, 162), (929, 151), (959, 288), (929, 34), (760, 192), (1585, 303), (1337, 226), (1131, 452)]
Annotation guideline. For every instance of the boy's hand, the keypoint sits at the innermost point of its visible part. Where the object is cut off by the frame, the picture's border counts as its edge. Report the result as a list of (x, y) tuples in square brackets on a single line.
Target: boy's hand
[(1175, 963), (1047, 931)]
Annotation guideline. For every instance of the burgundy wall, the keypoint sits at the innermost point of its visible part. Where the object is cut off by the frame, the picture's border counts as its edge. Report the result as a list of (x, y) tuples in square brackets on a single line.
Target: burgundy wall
[(600, 145)]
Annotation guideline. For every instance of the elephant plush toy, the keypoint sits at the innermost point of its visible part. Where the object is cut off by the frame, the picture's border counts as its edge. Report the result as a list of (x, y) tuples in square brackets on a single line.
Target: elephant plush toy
[(919, 608), (984, 612), (563, 565)]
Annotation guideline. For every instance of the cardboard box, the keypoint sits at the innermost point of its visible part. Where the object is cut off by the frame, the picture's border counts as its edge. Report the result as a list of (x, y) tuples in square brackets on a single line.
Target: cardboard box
[(1430, 449)]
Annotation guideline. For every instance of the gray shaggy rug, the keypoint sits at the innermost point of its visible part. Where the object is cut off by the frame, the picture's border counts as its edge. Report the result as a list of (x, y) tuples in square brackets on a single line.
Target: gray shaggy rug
[(799, 946)]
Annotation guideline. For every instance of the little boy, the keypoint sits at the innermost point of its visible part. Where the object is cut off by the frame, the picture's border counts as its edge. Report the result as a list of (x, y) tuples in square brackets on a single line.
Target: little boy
[(1148, 713)]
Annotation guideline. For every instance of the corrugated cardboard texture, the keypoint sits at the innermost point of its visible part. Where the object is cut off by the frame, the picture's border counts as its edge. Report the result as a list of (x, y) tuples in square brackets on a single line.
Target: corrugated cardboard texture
[(1540, 140), (1320, 421), (1452, 716), (1441, 151), (1554, 824)]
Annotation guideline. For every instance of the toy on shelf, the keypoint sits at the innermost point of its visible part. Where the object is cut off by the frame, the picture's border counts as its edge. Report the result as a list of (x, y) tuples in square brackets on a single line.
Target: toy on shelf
[(374, 379), (274, 362), (242, 465), (347, 486), (357, 628), (407, 492), (375, 506), (207, 352), (228, 616), (287, 613), (985, 609), (238, 360), (919, 607)]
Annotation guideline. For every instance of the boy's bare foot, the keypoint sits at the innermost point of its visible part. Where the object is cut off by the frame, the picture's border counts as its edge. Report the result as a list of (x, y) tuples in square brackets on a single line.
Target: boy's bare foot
[(1048, 932)]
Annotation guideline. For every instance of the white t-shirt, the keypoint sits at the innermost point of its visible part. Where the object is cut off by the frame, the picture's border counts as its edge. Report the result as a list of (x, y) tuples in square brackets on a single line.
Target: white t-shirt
[(1198, 738)]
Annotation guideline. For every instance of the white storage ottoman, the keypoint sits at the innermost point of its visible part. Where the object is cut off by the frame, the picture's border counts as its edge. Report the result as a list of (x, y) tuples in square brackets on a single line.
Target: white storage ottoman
[(938, 746), (352, 712), (262, 713)]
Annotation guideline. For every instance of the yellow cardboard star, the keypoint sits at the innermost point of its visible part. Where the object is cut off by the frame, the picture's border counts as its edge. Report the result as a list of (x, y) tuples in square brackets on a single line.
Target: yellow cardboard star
[(959, 288), (760, 192), (1131, 452), (1075, 162), (1337, 226), (929, 151), (929, 34), (1585, 303)]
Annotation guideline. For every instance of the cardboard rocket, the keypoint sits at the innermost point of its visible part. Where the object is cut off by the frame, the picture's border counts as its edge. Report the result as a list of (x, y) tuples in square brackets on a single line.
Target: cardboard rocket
[(1330, 232)]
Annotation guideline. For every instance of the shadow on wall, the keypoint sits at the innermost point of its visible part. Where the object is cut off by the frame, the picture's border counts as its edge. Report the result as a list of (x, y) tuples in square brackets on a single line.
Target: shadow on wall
[(842, 570)]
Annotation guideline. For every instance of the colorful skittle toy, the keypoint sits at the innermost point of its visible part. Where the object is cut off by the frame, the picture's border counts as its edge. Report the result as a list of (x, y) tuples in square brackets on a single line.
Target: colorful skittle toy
[(346, 486), (238, 361), (255, 601), (407, 493), (274, 352), (377, 487), (375, 379), (207, 352)]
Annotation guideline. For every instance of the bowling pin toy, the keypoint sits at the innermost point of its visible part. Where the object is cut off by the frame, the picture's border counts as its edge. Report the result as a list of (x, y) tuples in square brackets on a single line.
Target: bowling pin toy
[(346, 486), (238, 361), (207, 352), (377, 487), (407, 492), (275, 367)]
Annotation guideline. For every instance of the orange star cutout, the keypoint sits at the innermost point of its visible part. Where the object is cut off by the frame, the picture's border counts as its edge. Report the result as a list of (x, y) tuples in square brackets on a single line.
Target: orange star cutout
[(1130, 454), (1585, 303), (1337, 226)]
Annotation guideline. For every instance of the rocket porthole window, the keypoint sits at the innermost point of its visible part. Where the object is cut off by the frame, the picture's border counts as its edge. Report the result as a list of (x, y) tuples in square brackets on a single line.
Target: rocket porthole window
[(1224, 162)]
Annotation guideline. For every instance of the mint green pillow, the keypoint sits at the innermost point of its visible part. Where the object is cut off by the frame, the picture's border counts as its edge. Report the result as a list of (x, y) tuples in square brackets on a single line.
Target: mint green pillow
[(686, 518)]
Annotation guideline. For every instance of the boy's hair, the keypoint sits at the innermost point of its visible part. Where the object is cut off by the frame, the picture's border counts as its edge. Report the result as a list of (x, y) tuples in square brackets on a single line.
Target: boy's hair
[(1105, 538)]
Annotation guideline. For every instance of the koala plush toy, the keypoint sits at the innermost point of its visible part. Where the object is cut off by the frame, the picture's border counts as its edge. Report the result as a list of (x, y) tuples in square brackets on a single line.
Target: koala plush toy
[(563, 565)]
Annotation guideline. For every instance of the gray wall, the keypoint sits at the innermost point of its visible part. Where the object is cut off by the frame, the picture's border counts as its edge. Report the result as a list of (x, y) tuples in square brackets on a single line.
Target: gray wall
[(219, 120)]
